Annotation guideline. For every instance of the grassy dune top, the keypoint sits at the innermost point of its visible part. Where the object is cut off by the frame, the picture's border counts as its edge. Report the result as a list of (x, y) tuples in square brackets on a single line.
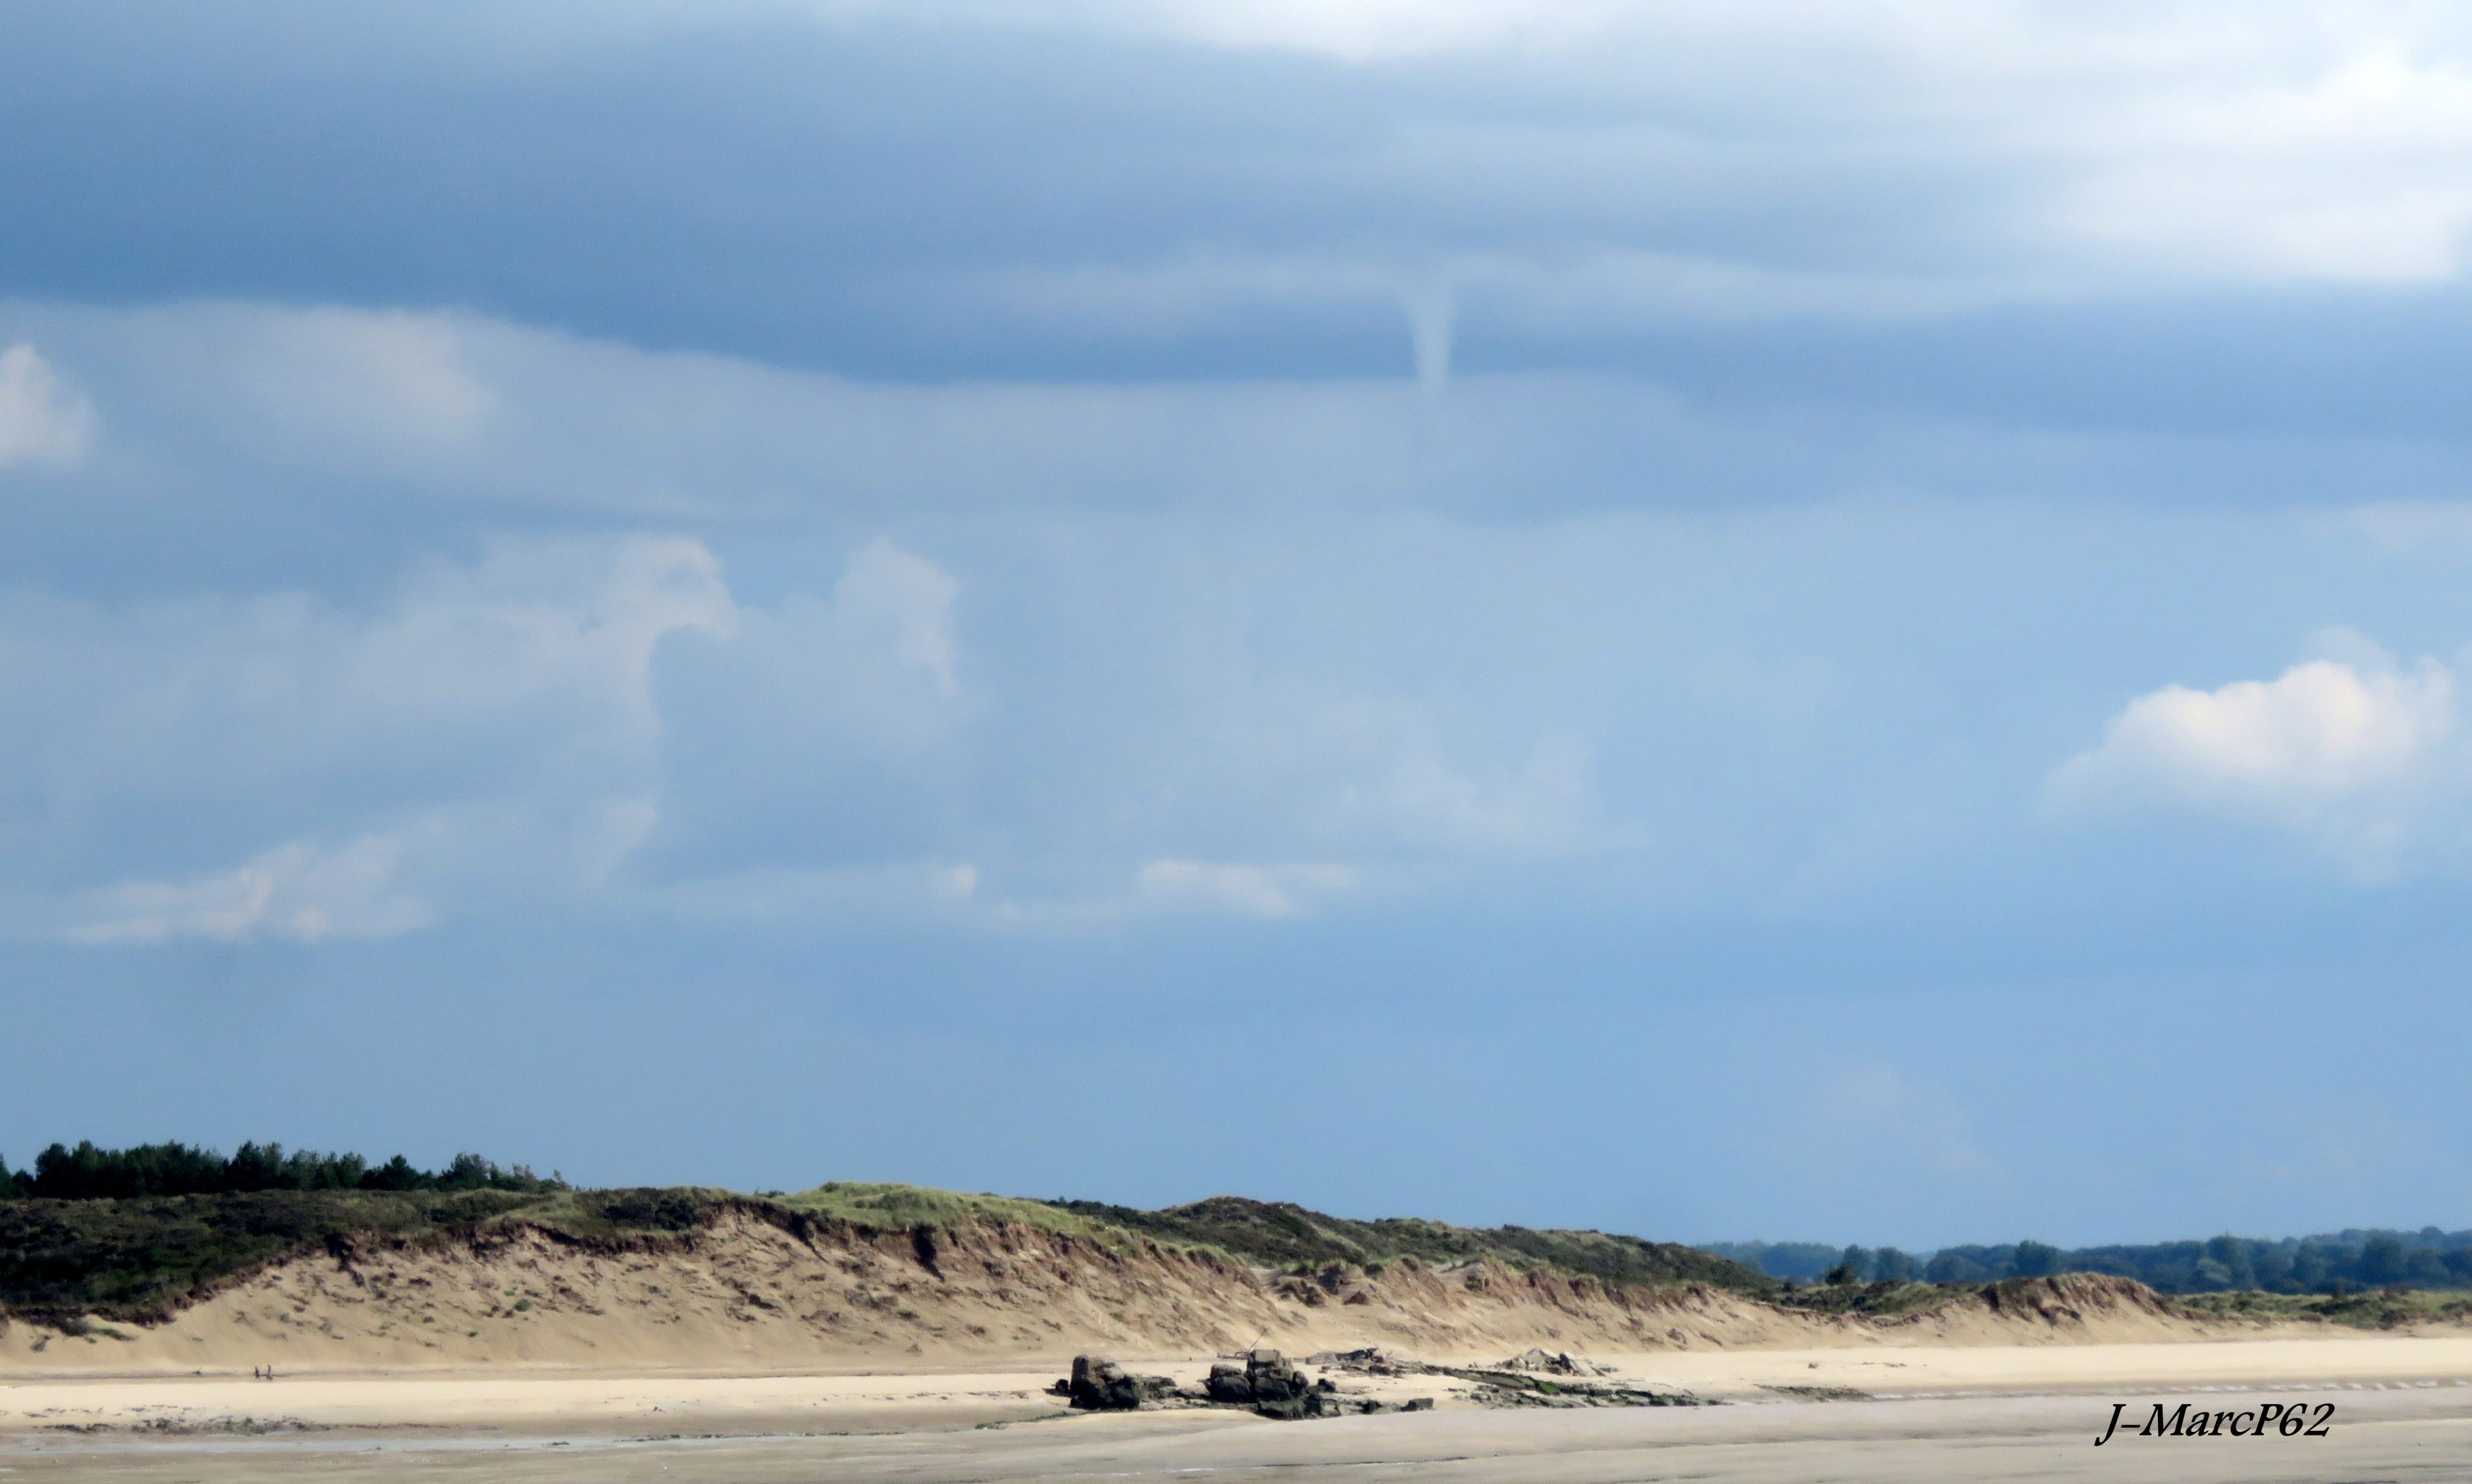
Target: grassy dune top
[(2377, 1309), (141, 1257), (902, 1207), (1286, 1234)]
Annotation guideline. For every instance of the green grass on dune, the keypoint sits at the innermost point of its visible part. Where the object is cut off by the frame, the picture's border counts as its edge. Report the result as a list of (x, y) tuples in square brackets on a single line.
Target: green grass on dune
[(143, 1257), (1878, 1301), (140, 1258), (137, 1259), (2377, 1309), (1282, 1234), (880, 1206)]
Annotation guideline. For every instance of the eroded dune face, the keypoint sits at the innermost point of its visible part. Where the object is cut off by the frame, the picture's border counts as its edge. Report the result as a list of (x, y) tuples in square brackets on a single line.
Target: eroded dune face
[(744, 1291)]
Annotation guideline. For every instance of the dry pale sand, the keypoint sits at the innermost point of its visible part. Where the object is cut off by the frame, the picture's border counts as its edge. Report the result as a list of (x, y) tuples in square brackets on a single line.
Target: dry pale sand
[(1968, 1413)]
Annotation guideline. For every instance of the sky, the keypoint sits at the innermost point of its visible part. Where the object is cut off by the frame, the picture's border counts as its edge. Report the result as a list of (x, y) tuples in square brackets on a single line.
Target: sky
[(1786, 619)]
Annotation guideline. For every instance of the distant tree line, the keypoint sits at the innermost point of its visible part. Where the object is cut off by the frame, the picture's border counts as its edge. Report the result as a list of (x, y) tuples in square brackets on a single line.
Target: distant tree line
[(88, 1172), (2334, 1262)]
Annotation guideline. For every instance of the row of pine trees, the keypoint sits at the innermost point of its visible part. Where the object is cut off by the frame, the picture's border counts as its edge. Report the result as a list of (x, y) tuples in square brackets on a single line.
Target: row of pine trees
[(88, 1172)]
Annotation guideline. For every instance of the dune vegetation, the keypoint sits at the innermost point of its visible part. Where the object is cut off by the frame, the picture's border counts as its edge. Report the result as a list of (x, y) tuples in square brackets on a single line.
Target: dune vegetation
[(140, 1235)]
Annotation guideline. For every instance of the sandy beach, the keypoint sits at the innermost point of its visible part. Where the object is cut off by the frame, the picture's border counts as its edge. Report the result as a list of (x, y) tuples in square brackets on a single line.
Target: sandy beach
[(2402, 1411)]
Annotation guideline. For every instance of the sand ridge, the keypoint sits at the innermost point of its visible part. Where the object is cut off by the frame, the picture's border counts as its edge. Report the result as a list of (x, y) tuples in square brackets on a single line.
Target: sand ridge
[(747, 1294)]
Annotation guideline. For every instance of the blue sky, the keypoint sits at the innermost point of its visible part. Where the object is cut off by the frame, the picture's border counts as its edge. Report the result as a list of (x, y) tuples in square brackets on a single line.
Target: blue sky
[(1790, 620)]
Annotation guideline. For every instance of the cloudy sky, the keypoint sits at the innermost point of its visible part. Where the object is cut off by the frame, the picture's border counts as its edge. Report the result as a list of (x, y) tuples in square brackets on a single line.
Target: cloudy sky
[(1790, 620)]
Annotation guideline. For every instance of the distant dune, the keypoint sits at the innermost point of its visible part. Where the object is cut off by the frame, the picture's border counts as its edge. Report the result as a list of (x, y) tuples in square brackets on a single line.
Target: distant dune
[(854, 1275)]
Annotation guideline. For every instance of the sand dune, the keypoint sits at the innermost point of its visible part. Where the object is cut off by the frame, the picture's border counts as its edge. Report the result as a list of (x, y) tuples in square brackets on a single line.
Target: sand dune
[(744, 1352), (746, 1294)]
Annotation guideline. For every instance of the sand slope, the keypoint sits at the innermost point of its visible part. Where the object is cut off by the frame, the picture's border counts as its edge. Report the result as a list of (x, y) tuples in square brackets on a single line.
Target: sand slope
[(747, 1292)]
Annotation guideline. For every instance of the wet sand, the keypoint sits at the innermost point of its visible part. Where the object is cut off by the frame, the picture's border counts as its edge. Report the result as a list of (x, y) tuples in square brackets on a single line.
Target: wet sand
[(2399, 1435)]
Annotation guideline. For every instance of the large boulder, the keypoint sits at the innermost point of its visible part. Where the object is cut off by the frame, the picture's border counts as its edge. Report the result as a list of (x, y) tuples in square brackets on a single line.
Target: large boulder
[(1266, 1382), (1274, 1378), (1100, 1385), (1274, 1386)]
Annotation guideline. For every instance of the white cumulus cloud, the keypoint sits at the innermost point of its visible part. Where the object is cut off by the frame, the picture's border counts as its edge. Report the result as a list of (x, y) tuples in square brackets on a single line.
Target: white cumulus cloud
[(297, 892), (41, 420), (909, 597), (2352, 750), (504, 706)]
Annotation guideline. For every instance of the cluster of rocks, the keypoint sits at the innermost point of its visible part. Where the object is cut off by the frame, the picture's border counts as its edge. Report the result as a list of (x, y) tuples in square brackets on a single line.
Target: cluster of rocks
[(1371, 1360), (1820, 1393), (1268, 1384), (1264, 1382), (1523, 1381), (1098, 1384), (1542, 1362), (1276, 1387), (1507, 1389)]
